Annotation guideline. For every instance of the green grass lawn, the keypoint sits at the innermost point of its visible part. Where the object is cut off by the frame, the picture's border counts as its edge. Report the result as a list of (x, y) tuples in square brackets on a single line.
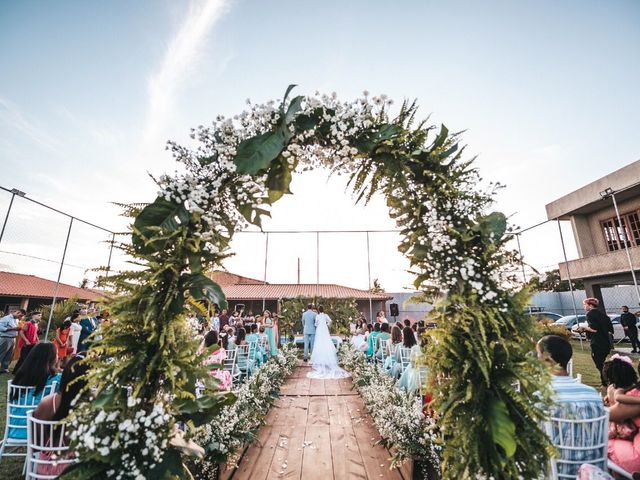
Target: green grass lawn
[(583, 364), (11, 467)]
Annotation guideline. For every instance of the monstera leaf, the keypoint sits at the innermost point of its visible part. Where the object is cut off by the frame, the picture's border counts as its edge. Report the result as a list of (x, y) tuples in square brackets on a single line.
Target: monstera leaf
[(202, 287), (503, 430), (256, 153), (156, 218), (204, 409), (492, 226), (278, 180)]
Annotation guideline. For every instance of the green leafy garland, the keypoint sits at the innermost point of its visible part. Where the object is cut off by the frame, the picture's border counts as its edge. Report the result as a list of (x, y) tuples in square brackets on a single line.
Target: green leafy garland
[(454, 245)]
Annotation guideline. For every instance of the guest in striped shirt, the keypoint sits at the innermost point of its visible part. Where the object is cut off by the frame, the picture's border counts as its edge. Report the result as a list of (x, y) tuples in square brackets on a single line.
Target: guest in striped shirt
[(572, 401)]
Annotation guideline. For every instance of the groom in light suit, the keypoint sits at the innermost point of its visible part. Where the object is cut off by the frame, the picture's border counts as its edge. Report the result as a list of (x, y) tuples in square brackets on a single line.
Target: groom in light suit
[(309, 329)]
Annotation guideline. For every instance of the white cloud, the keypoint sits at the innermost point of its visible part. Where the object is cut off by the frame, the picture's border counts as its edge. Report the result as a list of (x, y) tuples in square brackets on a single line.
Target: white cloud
[(12, 117), (180, 59)]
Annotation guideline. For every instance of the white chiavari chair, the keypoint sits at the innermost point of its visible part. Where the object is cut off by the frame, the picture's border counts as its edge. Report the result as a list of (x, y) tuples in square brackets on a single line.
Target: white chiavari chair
[(20, 400), (47, 452)]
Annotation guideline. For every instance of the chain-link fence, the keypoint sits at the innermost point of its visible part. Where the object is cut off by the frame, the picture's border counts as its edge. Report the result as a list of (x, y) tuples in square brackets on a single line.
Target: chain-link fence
[(38, 242), (47, 255)]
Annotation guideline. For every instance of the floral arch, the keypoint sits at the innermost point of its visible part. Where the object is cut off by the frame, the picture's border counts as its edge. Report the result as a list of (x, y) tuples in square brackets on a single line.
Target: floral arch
[(146, 366)]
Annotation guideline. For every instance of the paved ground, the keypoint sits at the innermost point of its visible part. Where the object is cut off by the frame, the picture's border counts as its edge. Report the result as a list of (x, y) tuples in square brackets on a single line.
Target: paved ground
[(316, 430)]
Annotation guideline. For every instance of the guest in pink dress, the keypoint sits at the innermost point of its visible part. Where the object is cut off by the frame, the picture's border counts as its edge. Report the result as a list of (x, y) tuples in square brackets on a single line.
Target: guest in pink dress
[(623, 397), (217, 357)]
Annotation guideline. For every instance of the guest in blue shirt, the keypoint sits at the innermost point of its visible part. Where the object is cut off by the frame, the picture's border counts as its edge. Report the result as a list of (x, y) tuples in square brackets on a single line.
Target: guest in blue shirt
[(38, 371), (572, 401)]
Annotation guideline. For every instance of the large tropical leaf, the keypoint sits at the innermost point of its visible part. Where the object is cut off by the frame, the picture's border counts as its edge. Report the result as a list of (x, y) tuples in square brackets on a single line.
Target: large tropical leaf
[(492, 226), (204, 409), (256, 153), (503, 430), (159, 215), (278, 180), (202, 287)]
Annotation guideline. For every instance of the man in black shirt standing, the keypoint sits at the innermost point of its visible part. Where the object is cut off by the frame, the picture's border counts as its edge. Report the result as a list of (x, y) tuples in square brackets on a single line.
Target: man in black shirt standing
[(598, 329), (628, 321)]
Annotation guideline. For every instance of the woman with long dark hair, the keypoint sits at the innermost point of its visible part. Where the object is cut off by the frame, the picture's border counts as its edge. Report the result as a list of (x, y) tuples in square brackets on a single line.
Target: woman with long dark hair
[(56, 407), (38, 371)]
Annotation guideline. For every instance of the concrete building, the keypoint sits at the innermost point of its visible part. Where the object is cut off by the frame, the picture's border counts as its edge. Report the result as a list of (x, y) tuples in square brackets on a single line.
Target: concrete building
[(600, 238)]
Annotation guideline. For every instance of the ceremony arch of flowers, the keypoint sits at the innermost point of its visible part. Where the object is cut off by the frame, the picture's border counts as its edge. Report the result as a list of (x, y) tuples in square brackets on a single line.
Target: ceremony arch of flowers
[(145, 368)]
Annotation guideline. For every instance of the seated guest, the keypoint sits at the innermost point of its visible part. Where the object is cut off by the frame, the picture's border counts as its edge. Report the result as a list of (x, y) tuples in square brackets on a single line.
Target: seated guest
[(396, 340), (263, 343), (216, 358), (408, 341), (623, 398), (410, 378), (38, 370), (379, 345), (572, 400), (231, 336), (57, 406), (370, 341), (241, 358), (224, 340), (367, 331), (254, 339), (358, 339)]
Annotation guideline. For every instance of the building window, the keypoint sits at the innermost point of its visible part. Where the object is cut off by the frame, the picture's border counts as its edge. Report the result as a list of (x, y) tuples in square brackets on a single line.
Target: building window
[(616, 235)]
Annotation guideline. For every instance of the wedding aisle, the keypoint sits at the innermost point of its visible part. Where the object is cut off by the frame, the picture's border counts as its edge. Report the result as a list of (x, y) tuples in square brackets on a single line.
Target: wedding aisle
[(316, 430)]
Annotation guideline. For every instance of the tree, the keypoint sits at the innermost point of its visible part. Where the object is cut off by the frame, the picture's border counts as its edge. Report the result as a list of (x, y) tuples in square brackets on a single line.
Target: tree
[(550, 282), (377, 288)]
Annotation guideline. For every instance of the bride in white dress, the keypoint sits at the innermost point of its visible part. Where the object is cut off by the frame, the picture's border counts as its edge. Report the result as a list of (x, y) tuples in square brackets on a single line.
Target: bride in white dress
[(324, 359)]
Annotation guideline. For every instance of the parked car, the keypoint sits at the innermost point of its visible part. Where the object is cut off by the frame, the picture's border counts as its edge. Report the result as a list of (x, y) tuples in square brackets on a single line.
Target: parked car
[(569, 321), (539, 316), (618, 330)]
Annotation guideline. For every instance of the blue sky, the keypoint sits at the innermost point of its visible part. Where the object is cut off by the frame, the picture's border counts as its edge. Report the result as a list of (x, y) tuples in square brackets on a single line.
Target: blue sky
[(90, 91)]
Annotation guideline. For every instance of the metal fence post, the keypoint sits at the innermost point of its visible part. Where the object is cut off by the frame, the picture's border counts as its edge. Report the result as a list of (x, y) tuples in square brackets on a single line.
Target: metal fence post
[(566, 262), (317, 262), (266, 256), (369, 280), (55, 294), (524, 275), (6, 218), (113, 240)]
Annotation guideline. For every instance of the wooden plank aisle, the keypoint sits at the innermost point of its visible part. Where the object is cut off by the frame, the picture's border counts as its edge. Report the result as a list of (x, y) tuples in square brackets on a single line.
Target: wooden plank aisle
[(317, 429)]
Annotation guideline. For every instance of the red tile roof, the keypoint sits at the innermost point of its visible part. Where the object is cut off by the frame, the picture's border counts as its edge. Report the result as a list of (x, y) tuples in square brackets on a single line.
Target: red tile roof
[(30, 286), (288, 290), (228, 278)]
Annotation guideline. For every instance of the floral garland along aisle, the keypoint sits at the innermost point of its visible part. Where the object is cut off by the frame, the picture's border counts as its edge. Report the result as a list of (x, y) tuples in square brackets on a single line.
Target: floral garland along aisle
[(456, 247), (238, 422), (397, 415)]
